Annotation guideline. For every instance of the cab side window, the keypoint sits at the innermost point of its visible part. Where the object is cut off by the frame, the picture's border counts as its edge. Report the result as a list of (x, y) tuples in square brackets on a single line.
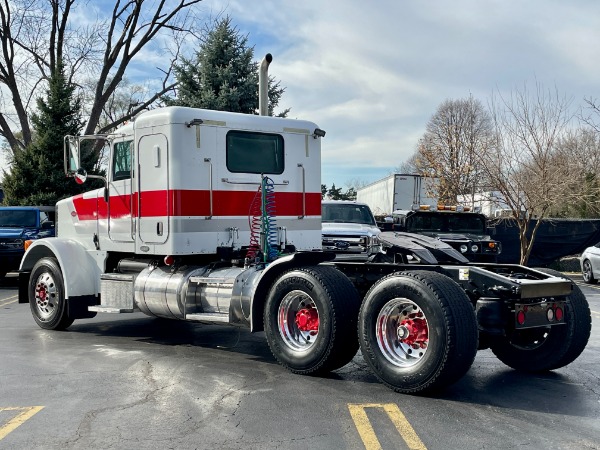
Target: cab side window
[(121, 163)]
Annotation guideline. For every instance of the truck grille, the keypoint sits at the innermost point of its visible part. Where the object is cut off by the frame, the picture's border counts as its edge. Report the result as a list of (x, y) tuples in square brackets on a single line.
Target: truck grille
[(345, 244)]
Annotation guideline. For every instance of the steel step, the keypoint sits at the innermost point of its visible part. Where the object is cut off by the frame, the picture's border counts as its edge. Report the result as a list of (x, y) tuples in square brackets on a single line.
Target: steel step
[(110, 309), (208, 317)]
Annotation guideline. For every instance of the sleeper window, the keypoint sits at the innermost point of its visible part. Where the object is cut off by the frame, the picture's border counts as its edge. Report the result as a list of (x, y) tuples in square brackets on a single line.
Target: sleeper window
[(249, 152)]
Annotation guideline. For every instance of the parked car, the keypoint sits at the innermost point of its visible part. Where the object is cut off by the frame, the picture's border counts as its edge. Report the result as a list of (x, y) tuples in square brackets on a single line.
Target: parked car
[(590, 264), (19, 224), (349, 230)]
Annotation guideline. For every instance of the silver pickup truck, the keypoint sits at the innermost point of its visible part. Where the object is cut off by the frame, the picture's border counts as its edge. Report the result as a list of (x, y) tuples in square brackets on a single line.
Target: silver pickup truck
[(349, 229)]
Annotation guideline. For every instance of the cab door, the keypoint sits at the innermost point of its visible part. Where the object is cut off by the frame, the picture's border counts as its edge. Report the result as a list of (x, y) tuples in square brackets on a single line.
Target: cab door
[(120, 217), (153, 184)]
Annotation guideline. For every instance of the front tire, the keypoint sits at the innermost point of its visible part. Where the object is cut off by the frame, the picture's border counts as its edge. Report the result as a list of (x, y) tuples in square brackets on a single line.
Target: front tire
[(587, 272), (310, 320), (549, 348), (417, 331), (47, 295)]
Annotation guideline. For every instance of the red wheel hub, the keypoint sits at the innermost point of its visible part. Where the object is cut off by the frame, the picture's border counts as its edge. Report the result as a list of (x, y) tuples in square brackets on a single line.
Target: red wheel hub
[(41, 292), (307, 319), (413, 331)]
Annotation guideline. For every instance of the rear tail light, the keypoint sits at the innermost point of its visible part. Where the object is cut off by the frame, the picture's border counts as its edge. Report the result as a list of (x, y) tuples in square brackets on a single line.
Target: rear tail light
[(558, 313)]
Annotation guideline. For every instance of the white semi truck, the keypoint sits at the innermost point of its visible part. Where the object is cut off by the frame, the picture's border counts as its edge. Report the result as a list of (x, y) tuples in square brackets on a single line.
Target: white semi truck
[(215, 217)]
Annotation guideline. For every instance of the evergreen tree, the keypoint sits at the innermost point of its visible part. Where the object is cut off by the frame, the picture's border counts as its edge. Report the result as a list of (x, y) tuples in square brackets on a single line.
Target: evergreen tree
[(223, 76), (335, 193), (37, 173), (350, 194), (323, 191)]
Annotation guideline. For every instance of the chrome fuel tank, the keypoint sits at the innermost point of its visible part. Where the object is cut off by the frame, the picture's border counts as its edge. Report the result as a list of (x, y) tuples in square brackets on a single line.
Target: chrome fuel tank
[(174, 294)]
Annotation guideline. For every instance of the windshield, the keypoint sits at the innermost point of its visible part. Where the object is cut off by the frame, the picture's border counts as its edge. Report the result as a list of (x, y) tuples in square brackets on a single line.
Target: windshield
[(447, 222), (18, 218), (346, 213)]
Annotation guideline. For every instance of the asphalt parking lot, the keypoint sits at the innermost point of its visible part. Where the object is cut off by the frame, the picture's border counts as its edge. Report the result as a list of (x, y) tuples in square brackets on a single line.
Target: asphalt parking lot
[(135, 382)]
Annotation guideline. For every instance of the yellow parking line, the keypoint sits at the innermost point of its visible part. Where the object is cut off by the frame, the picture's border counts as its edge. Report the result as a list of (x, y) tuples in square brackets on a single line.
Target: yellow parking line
[(367, 434), (587, 285), (5, 302), (365, 430), (27, 413)]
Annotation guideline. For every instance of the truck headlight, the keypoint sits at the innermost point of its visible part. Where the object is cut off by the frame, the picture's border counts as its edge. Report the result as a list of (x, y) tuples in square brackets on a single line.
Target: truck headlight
[(474, 248), (374, 244), (463, 248)]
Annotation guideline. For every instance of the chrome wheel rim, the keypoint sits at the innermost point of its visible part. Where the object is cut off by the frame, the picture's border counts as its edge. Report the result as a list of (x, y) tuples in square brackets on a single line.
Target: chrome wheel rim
[(587, 271), (402, 332), (46, 297), (298, 321)]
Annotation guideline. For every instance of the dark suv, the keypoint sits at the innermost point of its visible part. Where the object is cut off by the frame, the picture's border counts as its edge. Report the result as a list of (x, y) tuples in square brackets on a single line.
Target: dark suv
[(19, 224), (467, 232)]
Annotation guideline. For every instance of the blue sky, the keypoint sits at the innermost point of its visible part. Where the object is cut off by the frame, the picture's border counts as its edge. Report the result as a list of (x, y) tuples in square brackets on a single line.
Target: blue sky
[(372, 73)]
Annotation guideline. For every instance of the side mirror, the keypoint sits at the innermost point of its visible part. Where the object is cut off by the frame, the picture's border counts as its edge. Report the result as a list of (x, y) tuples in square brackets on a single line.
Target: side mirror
[(72, 159), (491, 231), (47, 225), (80, 175)]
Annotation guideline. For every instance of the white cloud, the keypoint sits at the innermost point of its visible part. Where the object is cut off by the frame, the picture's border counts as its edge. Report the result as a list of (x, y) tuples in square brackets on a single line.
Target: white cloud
[(372, 74)]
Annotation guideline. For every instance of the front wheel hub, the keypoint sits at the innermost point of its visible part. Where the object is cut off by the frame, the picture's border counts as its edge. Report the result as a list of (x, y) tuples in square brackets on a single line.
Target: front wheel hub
[(41, 294), (46, 296)]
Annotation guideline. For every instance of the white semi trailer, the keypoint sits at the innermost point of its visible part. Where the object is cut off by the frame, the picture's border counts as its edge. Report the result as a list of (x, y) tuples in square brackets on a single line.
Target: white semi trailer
[(398, 191)]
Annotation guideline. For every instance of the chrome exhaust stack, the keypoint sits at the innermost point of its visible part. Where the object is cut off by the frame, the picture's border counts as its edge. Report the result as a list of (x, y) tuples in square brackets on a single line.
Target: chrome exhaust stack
[(263, 85)]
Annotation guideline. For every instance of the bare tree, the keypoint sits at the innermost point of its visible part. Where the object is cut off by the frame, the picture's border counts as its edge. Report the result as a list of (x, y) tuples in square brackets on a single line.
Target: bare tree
[(355, 183), (528, 126), (580, 151), (124, 99), (591, 116), (36, 36), (455, 136), (408, 166)]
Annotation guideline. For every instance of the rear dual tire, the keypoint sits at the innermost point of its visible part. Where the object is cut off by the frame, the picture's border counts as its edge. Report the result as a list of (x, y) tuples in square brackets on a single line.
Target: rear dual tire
[(543, 349), (310, 320), (417, 331)]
